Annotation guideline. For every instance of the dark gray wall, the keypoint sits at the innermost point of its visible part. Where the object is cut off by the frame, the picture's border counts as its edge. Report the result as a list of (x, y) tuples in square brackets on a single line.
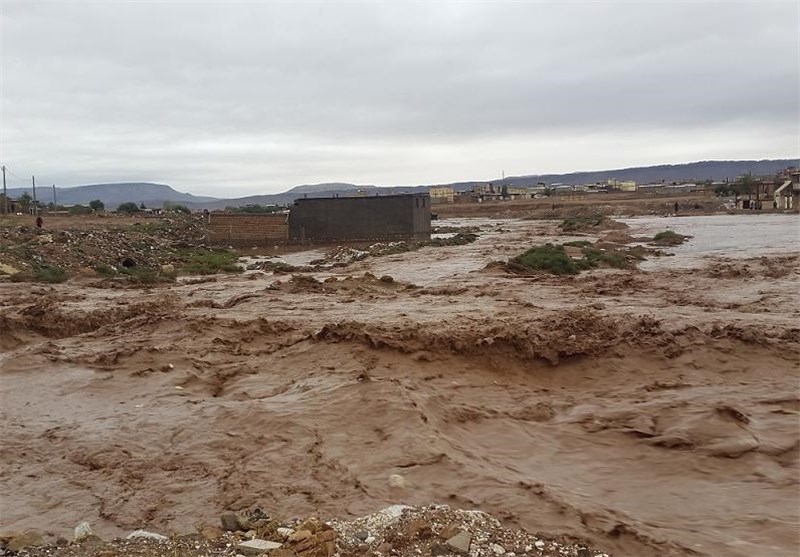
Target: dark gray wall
[(389, 217)]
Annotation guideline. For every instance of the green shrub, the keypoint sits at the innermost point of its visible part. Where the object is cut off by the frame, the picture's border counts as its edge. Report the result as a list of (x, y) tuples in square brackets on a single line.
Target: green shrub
[(578, 243), (593, 257), (550, 258)]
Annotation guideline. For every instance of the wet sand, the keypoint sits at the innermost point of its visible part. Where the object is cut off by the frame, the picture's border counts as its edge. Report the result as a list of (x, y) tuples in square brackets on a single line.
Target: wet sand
[(651, 412)]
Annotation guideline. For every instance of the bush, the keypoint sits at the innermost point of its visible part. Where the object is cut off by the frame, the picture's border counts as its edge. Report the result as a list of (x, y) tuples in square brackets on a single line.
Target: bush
[(593, 257), (128, 207), (578, 244), (550, 258), (669, 238), (554, 259)]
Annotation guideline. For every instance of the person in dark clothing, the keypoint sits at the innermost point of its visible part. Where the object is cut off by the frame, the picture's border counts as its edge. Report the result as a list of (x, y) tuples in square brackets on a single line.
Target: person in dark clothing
[(676, 206), (39, 222)]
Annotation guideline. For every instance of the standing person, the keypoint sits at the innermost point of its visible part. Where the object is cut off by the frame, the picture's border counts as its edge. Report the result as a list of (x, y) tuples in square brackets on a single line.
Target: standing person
[(39, 222), (676, 207)]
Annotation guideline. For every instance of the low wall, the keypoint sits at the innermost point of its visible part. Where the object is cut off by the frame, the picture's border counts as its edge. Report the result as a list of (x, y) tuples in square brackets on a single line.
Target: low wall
[(247, 230)]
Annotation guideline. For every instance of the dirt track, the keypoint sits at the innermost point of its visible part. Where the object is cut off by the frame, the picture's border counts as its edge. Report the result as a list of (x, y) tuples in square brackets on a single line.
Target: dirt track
[(650, 412)]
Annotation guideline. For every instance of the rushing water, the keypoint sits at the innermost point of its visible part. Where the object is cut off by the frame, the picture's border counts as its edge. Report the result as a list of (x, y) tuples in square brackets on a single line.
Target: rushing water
[(734, 236)]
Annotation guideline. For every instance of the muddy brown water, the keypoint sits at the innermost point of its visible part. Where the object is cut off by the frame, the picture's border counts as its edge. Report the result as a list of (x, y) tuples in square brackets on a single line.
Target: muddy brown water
[(653, 412)]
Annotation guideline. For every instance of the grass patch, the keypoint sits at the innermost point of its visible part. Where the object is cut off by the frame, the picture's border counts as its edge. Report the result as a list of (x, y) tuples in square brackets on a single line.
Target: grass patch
[(578, 244), (44, 273), (105, 271), (669, 238), (210, 263)]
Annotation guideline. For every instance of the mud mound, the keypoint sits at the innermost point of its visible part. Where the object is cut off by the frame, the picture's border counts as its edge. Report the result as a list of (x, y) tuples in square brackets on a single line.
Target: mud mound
[(366, 285), (769, 267), (49, 318)]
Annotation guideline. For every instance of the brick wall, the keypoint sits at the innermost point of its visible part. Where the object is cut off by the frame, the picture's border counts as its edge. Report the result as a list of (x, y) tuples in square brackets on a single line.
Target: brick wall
[(246, 230)]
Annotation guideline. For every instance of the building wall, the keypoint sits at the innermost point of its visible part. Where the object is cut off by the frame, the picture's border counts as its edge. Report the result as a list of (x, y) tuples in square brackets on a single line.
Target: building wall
[(246, 230), (389, 217)]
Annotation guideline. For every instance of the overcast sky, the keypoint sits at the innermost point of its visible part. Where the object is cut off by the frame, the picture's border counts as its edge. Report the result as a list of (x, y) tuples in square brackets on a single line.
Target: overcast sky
[(253, 97)]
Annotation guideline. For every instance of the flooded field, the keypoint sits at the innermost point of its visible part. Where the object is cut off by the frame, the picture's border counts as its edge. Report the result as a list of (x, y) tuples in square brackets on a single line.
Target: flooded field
[(651, 412)]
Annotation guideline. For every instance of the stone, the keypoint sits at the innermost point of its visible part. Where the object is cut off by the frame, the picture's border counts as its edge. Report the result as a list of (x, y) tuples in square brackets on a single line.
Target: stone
[(419, 529), (257, 546), (497, 549), (31, 538), (143, 534), (385, 548), (362, 535), (300, 535), (397, 481), (167, 269), (539, 544), (460, 543), (285, 532), (438, 550), (230, 522), (211, 533), (82, 531), (449, 531), (320, 544), (282, 552)]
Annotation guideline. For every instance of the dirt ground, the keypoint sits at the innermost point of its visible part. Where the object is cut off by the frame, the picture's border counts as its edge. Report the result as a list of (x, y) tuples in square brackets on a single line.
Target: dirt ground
[(651, 412)]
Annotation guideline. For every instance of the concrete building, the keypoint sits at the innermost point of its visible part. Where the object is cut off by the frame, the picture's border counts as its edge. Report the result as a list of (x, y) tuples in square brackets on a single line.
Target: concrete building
[(787, 196), (337, 219), (442, 194)]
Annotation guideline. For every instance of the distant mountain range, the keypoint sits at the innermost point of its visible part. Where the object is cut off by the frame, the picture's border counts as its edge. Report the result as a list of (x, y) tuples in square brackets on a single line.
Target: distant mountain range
[(155, 195), (112, 195)]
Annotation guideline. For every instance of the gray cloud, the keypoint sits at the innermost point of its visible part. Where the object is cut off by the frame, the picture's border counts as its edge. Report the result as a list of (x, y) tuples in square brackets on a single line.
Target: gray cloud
[(256, 97)]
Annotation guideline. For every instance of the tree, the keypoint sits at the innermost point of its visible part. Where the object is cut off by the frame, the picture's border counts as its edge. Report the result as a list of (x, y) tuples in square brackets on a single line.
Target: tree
[(25, 201), (130, 207), (504, 191), (142, 207), (97, 205), (744, 185)]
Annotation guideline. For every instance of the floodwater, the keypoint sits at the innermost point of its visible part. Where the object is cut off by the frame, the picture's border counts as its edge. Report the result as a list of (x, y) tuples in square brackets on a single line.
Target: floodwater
[(730, 236), (652, 413)]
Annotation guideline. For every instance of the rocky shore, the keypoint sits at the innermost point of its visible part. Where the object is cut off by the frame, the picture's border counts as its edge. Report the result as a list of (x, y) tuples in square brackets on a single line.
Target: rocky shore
[(399, 530)]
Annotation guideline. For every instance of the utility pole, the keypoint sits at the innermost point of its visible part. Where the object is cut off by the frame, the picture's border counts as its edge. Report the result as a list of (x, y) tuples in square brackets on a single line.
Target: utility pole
[(35, 206), (5, 194), (54, 197)]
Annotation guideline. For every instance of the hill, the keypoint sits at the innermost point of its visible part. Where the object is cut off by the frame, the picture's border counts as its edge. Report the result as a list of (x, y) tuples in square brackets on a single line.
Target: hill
[(152, 195), (704, 170)]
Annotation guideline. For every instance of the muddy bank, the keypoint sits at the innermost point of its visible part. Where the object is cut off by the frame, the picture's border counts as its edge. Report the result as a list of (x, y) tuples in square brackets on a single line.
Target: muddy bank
[(649, 413)]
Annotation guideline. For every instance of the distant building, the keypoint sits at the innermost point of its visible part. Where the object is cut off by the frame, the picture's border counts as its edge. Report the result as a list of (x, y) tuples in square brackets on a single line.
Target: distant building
[(442, 194), (622, 185)]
